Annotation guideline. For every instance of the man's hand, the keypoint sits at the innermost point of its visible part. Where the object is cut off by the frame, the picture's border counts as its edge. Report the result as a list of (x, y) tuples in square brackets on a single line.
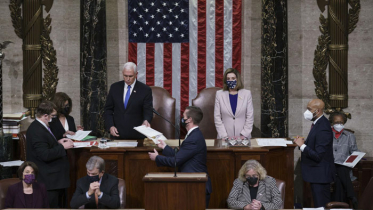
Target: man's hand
[(153, 155), (79, 127), (146, 123), (299, 141), (66, 143), (256, 204), (114, 131), (98, 191), (93, 187), (161, 144)]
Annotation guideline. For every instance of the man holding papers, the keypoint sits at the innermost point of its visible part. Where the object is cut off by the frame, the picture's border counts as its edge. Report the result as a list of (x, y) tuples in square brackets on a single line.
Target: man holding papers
[(317, 160), (192, 154), (128, 104)]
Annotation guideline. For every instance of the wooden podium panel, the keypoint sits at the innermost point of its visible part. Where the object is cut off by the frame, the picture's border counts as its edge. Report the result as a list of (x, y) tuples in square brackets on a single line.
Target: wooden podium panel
[(223, 164), (184, 192)]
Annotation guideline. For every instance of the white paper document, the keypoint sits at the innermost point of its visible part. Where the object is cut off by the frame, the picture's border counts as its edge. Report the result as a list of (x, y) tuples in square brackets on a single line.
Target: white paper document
[(122, 144), (150, 133), (320, 208), (353, 159), (81, 144), (79, 135), (265, 142), (11, 163)]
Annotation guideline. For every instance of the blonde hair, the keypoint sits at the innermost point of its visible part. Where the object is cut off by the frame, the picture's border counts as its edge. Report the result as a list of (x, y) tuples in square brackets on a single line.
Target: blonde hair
[(254, 165), (238, 78)]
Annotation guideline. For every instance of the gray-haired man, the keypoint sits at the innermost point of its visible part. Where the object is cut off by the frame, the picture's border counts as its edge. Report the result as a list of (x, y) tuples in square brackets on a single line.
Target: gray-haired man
[(98, 189)]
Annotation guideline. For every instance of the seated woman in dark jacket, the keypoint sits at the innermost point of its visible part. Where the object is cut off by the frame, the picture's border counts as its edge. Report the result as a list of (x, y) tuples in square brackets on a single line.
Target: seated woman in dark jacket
[(63, 124), (27, 193), (253, 189)]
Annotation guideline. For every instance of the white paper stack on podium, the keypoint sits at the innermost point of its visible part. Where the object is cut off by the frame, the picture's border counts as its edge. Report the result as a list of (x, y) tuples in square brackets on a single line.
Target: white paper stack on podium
[(150, 133), (353, 159), (265, 142), (79, 135)]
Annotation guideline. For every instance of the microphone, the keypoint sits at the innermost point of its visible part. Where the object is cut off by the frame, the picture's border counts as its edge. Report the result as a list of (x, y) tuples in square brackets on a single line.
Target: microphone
[(178, 133)]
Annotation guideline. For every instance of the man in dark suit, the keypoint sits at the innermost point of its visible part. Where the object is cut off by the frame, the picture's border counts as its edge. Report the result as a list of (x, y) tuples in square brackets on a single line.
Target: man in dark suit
[(193, 152), (49, 154), (128, 104), (98, 189), (317, 159)]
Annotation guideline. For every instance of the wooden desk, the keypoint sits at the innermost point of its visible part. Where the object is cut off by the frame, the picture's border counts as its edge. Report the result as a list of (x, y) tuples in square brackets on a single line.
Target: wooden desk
[(223, 164)]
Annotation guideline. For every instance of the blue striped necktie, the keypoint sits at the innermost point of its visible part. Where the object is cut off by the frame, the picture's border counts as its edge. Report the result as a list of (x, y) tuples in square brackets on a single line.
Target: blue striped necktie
[(127, 96)]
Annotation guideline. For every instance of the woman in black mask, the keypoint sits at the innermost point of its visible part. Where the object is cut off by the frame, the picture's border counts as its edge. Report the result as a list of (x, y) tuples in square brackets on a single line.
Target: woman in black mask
[(253, 189), (63, 124)]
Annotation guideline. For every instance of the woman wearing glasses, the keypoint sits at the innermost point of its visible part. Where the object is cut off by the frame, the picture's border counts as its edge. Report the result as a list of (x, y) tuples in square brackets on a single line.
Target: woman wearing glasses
[(253, 189)]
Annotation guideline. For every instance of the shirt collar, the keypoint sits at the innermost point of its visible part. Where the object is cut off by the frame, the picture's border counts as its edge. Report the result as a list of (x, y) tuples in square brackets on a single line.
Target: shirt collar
[(314, 122), (42, 123), (342, 131), (132, 85), (190, 130)]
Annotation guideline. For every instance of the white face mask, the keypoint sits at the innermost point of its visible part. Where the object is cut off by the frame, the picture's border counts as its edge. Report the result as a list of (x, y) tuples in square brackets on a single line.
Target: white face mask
[(308, 115), (338, 127), (50, 120)]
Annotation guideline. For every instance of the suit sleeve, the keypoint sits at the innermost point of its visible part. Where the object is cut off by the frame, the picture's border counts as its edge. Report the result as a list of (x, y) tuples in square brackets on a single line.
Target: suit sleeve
[(9, 199), (236, 191), (148, 106), (111, 200), (323, 139), (275, 196), (220, 128), (79, 198), (109, 110), (249, 120), (187, 151), (168, 151), (43, 150)]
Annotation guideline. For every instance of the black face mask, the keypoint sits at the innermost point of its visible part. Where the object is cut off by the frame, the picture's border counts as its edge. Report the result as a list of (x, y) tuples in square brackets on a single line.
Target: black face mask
[(65, 111), (183, 123), (93, 178), (252, 180)]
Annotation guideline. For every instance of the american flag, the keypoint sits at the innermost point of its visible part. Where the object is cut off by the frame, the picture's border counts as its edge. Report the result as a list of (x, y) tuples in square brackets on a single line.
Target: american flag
[(184, 46)]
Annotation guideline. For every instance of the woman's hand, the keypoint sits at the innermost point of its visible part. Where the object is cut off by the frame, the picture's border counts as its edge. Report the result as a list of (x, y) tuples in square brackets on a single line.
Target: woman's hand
[(256, 204), (79, 127), (68, 133)]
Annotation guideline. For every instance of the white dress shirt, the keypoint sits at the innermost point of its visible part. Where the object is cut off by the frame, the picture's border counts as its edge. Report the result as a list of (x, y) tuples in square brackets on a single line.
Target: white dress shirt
[(190, 130)]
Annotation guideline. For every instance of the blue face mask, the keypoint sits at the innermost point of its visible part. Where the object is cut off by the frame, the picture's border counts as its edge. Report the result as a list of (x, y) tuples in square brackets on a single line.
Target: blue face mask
[(231, 84)]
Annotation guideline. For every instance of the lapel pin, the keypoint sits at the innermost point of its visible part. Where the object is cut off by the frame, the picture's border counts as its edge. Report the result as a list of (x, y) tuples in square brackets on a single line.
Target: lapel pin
[(134, 91)]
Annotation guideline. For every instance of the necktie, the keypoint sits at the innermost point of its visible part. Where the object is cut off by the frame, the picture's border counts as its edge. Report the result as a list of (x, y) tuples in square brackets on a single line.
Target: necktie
[(96, 199), (127, 96), (312, 126), (51, 132)]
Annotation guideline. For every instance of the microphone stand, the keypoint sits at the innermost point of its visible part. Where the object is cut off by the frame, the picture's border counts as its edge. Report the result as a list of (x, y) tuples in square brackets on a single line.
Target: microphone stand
[(178, 133)]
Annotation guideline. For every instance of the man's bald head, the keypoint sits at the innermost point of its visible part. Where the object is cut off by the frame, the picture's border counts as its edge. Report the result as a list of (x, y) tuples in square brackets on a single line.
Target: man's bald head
[(316, 106)]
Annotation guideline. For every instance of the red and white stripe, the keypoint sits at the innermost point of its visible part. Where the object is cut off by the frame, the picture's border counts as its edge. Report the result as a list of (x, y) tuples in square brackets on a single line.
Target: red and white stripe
[(184, 69)]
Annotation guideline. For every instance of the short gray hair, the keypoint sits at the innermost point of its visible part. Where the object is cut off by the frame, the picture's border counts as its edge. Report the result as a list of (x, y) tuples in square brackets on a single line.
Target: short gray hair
[(254, 165), (130, 65), (95, 162)]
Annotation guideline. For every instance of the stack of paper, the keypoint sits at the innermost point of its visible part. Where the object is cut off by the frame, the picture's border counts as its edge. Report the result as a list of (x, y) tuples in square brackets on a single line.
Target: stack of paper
[(11, 163), (79, 135), (150, 133), (265, 142), (122, 144)]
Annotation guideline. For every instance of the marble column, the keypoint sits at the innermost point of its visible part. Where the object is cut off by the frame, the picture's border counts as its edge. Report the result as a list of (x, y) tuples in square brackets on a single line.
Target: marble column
[(274, 69), (93, 59)]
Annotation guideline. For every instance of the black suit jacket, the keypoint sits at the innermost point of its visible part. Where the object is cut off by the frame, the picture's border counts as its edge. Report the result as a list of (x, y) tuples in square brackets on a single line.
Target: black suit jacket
[(50, 157), (15, 197), (190, 158), (109, 200), (58, 129), (317, 159), (139, 108)]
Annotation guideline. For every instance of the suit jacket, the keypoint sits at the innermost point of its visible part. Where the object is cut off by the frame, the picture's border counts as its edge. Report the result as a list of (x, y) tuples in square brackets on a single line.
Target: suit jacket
[(15, 197), (139, 108), (268, 194), (58, 129), (229, 124), (317, 159), (50, 157), (109, 200), (190, 158)]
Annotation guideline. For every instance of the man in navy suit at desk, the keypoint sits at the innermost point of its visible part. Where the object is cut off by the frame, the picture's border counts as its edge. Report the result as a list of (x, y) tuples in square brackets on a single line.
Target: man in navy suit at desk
[(193, 151), (317, 159)]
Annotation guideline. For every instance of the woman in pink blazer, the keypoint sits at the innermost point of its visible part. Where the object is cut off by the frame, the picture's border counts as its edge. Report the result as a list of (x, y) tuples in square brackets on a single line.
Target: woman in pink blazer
[(234, 113)]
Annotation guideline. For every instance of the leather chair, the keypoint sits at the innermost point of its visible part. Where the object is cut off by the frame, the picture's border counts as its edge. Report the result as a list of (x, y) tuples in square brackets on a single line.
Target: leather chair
[(206, 101), (365, 202), (281, 187), (122, 194), (22, 145), (4, 185), (164, 104)]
